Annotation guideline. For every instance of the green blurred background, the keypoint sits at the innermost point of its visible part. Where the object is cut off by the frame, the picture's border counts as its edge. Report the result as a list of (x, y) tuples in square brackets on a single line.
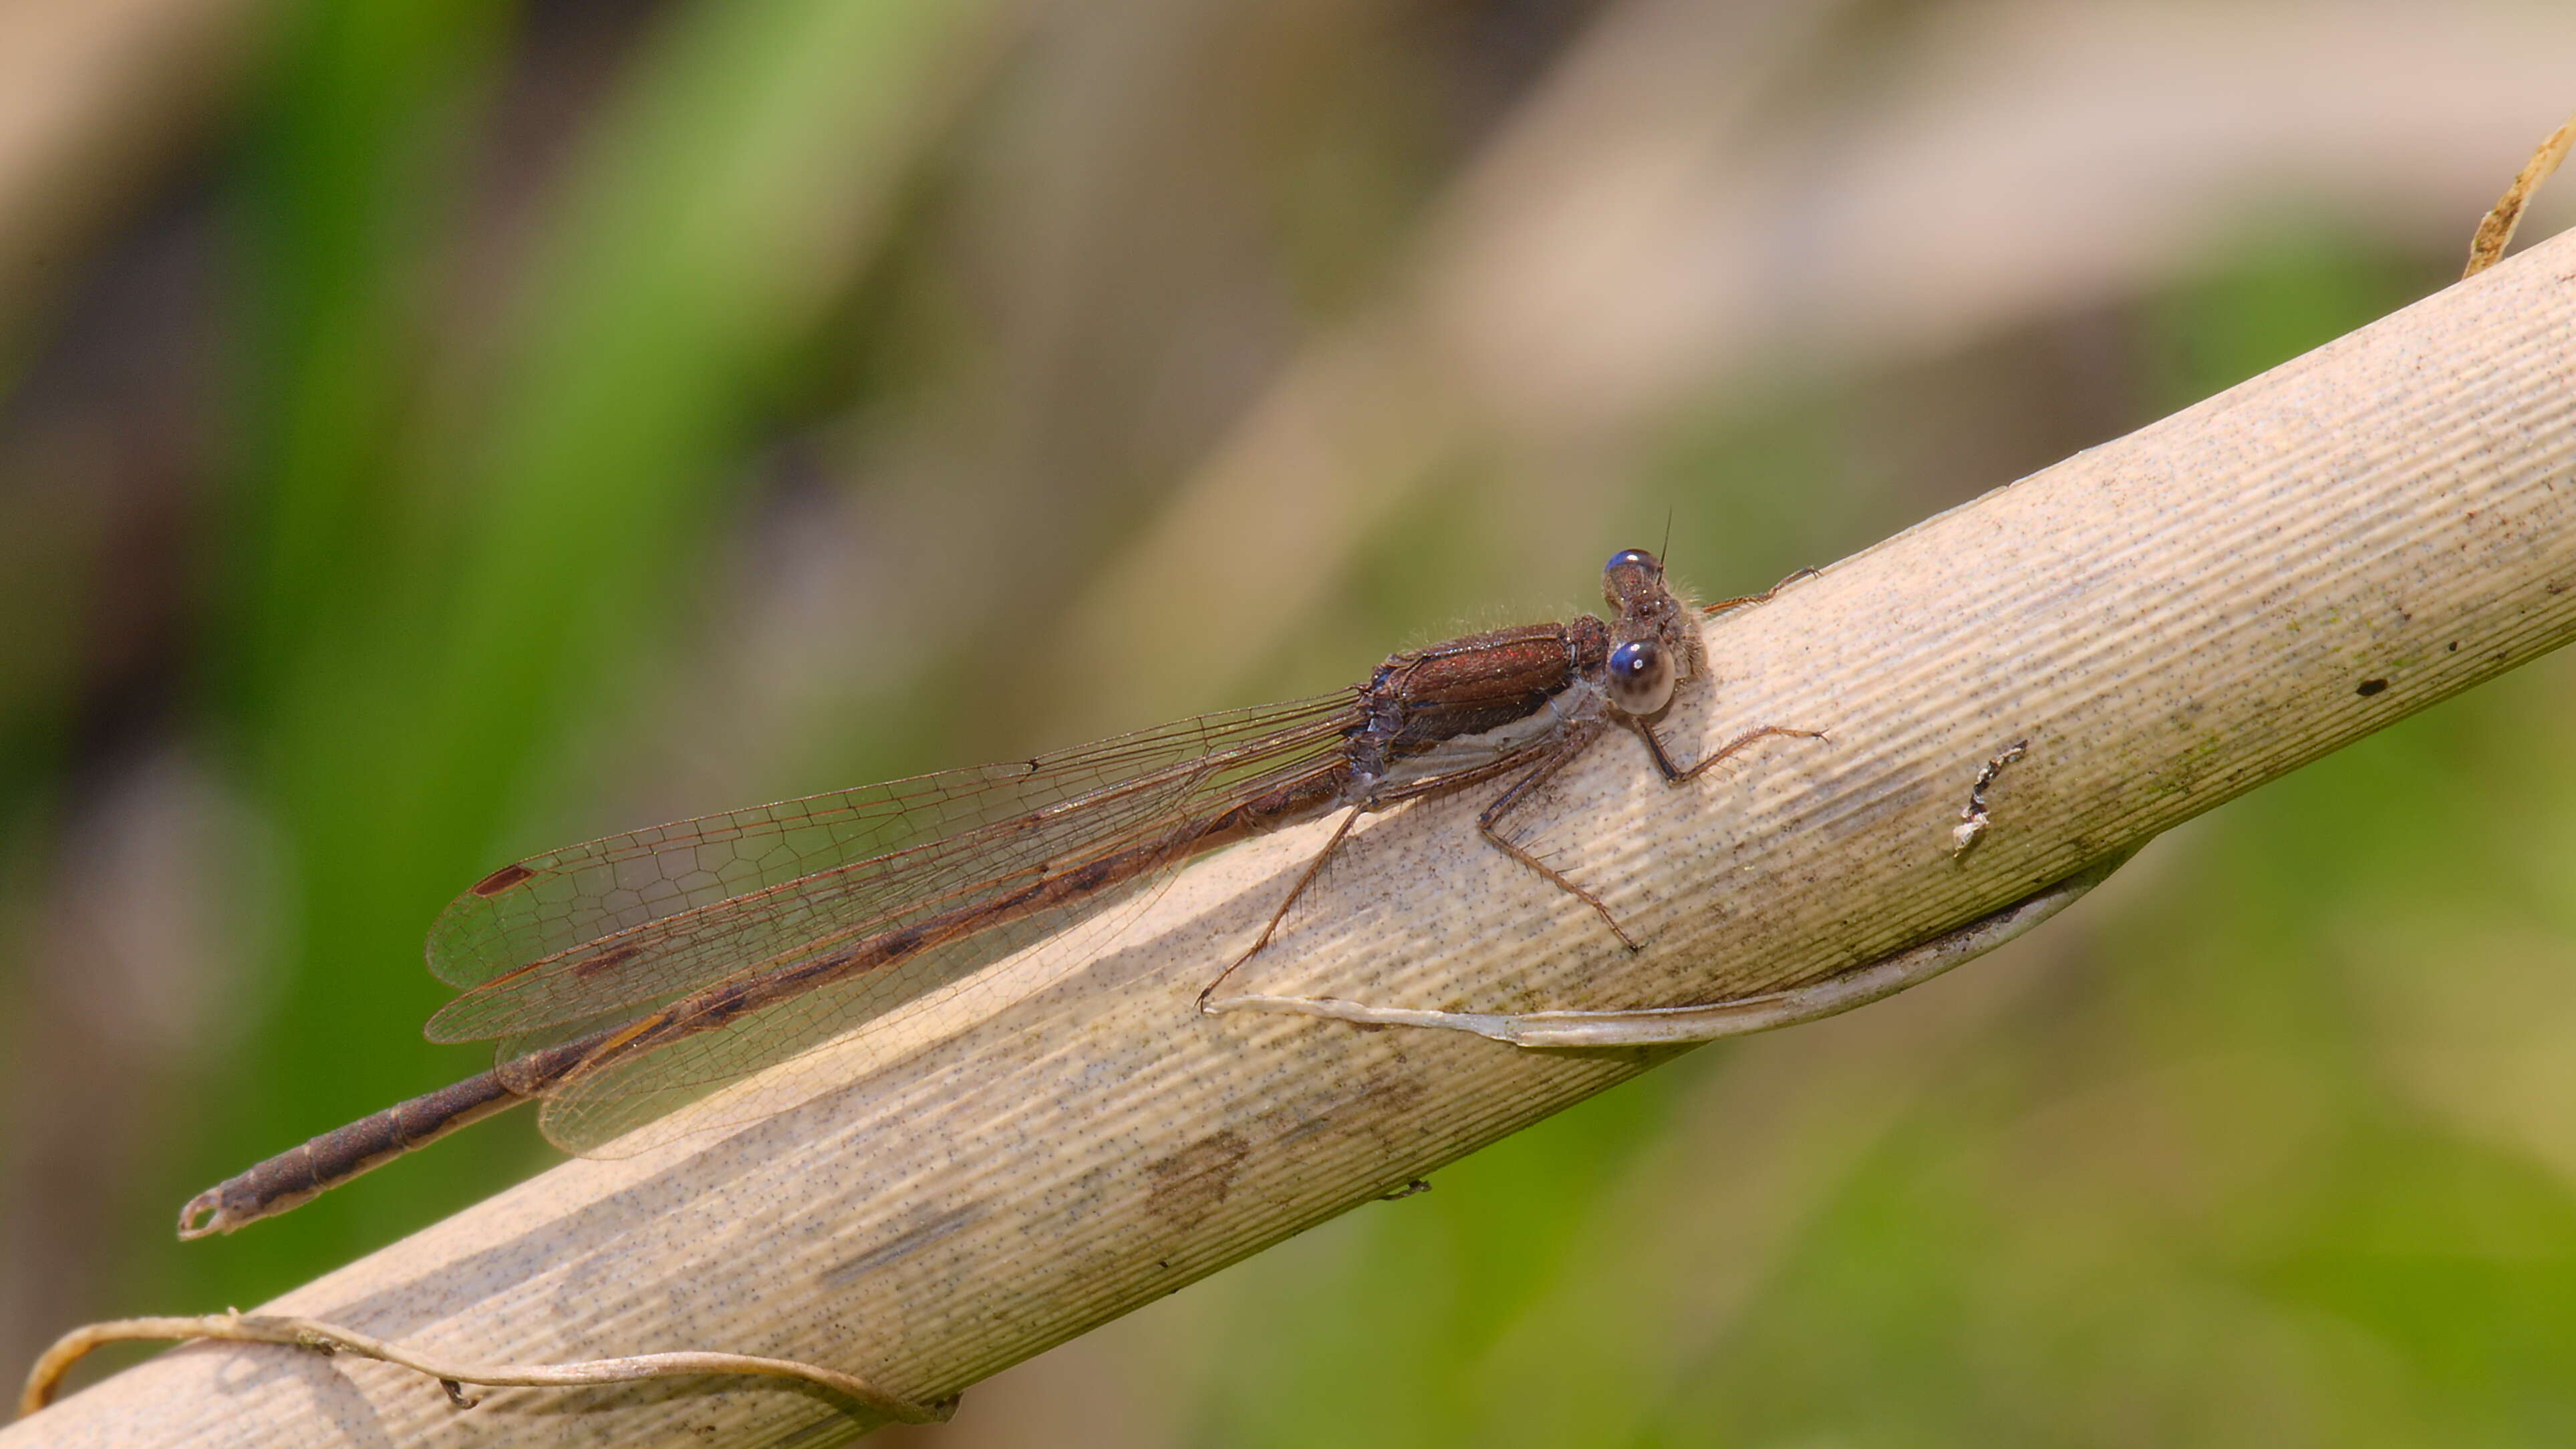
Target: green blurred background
[(436, 429)]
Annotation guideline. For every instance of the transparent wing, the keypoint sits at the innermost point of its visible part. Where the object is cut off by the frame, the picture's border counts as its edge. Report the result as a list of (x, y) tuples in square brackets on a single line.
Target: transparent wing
[(841, 1031), (564, 943)]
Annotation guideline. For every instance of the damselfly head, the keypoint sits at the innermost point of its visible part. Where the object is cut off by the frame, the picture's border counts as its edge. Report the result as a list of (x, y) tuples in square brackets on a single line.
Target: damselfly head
[(1653, 646)]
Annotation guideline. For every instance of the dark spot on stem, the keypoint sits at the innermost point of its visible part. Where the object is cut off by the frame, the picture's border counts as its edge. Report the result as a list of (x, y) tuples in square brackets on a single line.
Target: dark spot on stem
[(912, 1240), (1189, 1184), (2370, 687)]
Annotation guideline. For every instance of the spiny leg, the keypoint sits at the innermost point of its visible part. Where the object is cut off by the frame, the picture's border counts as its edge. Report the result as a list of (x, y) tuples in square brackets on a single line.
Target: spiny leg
[(1763, 597), (1305, 878), (1576, 736), (1572, 743), (1676, 775)]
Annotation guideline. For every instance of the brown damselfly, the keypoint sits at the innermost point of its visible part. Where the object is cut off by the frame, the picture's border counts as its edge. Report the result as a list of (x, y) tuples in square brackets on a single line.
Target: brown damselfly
[(625, 976)]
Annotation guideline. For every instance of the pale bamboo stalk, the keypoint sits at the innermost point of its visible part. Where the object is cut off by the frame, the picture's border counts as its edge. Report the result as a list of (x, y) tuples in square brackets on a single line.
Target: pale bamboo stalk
[(2168, 620)]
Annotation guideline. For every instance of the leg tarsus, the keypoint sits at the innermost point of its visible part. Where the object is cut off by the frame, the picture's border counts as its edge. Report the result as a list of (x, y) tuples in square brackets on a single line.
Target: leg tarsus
[(1764, 597), (1675, 775)]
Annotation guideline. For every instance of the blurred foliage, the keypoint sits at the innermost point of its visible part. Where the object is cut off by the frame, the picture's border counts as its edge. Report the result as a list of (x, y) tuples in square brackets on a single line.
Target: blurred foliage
[(617, 413), (436, 580)]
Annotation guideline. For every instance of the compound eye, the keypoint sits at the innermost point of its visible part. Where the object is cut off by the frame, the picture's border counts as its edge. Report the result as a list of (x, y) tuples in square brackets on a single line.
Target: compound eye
[(1641, 677), (1631, 573)]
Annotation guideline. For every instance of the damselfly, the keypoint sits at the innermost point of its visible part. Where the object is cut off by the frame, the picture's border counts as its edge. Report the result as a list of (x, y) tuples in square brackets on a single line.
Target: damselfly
[(631, 974)]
